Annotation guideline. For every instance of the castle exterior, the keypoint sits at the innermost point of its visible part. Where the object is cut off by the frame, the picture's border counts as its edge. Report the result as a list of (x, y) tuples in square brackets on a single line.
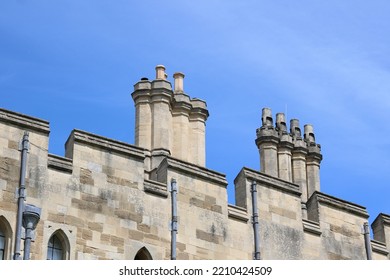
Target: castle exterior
[(156, 199)]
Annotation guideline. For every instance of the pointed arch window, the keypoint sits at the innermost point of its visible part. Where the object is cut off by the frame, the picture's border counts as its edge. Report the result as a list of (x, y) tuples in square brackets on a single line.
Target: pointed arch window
[(58, 246), (143, 254)]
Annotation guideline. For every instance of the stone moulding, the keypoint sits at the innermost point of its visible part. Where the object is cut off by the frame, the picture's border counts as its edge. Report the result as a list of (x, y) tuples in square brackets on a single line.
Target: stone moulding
[(340, 204), (20, 120), (155, 188), (311, 227), (237, 213), (60, 163), (270, 181), (194, 170), (379, 247), (106, 144)]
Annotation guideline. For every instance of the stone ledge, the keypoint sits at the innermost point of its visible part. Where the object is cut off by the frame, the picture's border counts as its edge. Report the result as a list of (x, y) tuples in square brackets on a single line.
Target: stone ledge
[(60, 163), (237, 213), (379, 247), (340, 204), (107, 144), (194, 170), (270, 181), (311, 227), (24, 121), (155, 188)]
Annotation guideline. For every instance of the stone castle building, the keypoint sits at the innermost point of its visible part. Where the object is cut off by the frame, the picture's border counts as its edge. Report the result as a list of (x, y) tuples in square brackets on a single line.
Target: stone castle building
[(106, 199)]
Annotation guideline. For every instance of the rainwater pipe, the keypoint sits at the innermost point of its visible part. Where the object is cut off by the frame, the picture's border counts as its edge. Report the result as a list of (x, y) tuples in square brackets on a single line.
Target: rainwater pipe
[(367, 241), (255, 221), (21, 194), (174, 218)]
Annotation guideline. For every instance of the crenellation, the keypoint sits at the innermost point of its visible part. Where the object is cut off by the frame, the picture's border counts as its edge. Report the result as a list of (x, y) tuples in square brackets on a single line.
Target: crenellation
[(107, 199)]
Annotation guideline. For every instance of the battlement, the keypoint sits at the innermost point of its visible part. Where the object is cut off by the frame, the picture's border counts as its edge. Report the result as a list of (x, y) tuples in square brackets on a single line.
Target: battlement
[(107, 199)]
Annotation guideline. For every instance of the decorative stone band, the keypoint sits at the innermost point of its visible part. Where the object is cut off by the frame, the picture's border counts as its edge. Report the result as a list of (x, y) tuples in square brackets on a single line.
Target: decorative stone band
[(20, 120)]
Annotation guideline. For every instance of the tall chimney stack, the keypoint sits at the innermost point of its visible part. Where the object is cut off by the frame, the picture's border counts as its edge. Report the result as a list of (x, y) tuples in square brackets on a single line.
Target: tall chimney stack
[(267, 142)]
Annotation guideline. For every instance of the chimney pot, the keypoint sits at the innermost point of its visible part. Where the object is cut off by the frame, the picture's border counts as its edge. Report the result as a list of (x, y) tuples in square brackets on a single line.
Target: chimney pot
[(281, 122), (309, 133), (160, 72), (178, 77), (267, 117)]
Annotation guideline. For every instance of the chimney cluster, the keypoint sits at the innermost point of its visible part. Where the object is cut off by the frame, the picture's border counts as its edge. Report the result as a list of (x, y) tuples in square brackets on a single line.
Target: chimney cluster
[(288, 155), (168, 121)]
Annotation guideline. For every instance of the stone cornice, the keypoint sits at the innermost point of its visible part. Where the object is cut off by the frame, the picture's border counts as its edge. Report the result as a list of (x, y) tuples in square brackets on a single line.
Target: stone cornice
[(194, 170), (340, 204), (106, 144), (270, 181), (27, 122)]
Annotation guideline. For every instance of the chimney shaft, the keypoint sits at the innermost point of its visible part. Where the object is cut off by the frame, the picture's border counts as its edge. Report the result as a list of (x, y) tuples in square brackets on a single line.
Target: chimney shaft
[(178, 84)]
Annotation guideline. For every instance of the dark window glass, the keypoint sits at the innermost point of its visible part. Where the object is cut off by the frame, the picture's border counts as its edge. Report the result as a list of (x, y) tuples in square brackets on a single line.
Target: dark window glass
[(2, 244), (54, 249)]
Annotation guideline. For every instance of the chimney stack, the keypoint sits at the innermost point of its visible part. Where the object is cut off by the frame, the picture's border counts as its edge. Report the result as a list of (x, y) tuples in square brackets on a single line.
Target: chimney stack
[(169, 122), (288, 155), (267, 142)]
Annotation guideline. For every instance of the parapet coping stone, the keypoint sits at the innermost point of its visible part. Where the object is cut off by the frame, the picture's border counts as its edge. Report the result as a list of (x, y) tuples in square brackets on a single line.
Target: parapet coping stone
[(107, 144), (311, 227), (379, 247), (194, 170), (237, 213), (270, 181), (21, 120), (156, 188), (60, 163), (340, 204)]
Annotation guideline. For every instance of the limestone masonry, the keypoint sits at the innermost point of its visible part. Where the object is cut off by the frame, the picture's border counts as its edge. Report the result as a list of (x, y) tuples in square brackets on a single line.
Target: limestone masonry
[(112, 200)]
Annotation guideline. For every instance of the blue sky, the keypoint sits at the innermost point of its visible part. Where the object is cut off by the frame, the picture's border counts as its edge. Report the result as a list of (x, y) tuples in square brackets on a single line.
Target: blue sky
[(326, 63)]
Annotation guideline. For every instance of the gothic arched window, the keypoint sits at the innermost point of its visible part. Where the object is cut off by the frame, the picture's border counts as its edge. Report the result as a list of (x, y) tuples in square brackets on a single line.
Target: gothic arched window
[(58, 246), (143, 254)]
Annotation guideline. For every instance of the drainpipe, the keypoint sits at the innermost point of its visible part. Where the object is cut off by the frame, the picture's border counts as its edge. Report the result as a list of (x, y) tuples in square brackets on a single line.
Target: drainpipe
[(367, 241), (255, 221), (21, 195), (31, 216), (174, 218)]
